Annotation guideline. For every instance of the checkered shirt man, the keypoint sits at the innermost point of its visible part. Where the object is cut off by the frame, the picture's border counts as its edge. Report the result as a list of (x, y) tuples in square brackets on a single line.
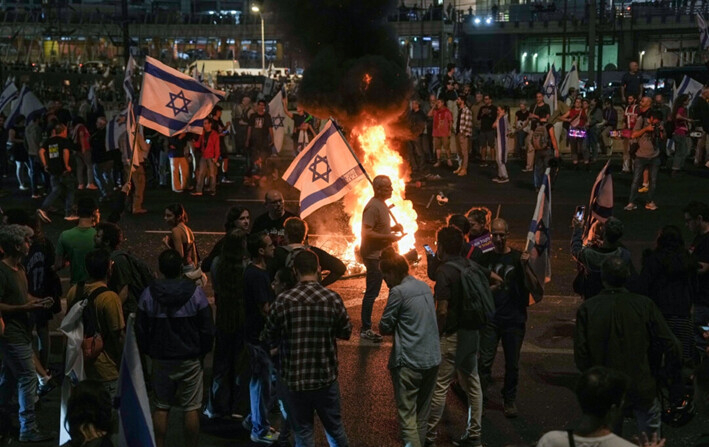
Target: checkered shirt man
[(304, 323)]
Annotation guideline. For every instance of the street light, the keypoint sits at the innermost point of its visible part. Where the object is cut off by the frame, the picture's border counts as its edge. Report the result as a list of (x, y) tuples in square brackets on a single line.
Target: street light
[(257, 10), (534, 61), (642, 53)]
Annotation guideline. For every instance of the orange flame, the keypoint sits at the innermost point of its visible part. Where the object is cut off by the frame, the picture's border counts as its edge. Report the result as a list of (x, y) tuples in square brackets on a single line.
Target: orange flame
[(380, 159), (366, 79)]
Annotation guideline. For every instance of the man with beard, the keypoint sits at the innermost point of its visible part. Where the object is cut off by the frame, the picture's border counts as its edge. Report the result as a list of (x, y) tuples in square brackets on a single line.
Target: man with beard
[(509, 321), (260, 134)]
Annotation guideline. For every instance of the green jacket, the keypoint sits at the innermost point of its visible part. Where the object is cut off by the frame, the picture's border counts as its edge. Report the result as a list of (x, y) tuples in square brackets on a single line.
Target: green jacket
[(625, 332)]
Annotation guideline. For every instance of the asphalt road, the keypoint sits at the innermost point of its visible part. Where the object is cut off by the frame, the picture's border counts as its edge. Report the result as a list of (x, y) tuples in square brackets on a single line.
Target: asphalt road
[(547, 372)]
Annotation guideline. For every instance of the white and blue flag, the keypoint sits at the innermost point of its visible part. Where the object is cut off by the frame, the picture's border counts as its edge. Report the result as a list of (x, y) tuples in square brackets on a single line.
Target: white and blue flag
[(93, 97), (9, 93), (278, 118), (703, 32), (135, 424), (600, 206), (688, 86), (539, 237), (571, 80), (172, 102), (115, 130), (550, 90), (128, 79), (26, 104), (324, 171)]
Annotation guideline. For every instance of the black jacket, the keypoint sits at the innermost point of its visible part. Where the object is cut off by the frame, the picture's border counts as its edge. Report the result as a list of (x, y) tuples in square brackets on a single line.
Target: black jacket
[(174, 321)]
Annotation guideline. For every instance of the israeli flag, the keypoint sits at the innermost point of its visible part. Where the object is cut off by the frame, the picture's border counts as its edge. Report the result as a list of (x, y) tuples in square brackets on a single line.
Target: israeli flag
[(571, 80), (539, 237), (600, 206), (115, 130), (135, 424), (172, 102), (26, 104), (550, 89), (128, 79), (8, 93), (324, 171), (92, 97), (278, 118), (72, 327), (703, 32), (688, 86)]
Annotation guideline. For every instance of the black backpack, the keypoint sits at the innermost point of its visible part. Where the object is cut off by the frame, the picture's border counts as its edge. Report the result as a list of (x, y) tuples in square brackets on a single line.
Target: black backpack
[(477, 306), (141, 277), (92, 345)]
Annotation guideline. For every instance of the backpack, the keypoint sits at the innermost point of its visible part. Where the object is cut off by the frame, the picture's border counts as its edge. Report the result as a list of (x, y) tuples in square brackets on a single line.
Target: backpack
[(92, 345), (141, 276), (292, 253), (477, 305), (540, 138)]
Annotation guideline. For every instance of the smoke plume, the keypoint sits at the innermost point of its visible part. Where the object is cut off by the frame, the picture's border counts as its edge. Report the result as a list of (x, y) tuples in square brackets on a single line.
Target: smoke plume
[(355, 72)]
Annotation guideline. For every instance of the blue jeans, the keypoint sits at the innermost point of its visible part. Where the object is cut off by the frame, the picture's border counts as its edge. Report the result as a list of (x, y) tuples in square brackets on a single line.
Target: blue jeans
[(103, 174), (682, 143), (301, 407), (37, 173), (648, 419), (511, 336), (541, 162), (521, 137), (18, 373), (261, 391), (65, 185), (373, 286), (640, 165)]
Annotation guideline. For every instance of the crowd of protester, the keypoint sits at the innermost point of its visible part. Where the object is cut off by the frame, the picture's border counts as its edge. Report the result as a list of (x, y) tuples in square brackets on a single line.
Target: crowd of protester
[(458, 125), (640, 333), (639, 339)]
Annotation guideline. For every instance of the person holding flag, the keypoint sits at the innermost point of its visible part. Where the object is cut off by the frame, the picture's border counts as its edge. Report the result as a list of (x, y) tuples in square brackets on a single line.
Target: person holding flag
[(303, 130)]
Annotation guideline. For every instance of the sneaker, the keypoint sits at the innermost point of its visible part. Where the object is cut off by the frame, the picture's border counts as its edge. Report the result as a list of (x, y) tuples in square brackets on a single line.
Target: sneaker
[(466, 441), (643, 189), (267, 439), (510, 410), (80, 187), (35, 436), (92, 187), (370, 335), (43, 216), (24, 188), (650, 206), (630, 207), (36, 196), (196, 193), (71, 217), (503, 180), (437, 164), (227, 181), (527, 170)]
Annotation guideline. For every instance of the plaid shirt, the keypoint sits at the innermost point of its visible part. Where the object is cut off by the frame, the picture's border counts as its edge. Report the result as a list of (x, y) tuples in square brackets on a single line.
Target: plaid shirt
[(465, 122), (304, 322)]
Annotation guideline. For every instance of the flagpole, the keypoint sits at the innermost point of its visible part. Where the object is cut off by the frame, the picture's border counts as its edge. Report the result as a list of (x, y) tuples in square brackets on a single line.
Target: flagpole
[(359, 163)]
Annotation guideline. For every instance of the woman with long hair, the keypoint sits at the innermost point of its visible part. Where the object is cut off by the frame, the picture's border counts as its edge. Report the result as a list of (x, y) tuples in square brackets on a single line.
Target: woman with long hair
[(181, 237), (237, 217), (576, 117), (229, 387), (680, 120), (667, 275)]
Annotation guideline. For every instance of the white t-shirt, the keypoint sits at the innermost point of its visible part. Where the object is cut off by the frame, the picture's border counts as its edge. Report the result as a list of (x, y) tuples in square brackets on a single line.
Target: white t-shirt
[(561, 439)]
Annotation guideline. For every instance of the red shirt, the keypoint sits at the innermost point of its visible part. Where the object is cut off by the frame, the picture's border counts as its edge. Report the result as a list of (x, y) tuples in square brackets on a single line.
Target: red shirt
[(211, 149), (442, 120)]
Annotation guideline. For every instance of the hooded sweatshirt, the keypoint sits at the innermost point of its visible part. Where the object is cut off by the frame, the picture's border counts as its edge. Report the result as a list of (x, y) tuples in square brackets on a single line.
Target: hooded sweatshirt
[(174, 321)]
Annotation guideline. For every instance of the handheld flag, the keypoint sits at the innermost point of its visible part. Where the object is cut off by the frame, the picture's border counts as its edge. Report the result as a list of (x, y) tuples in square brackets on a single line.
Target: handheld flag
[(600, 206), (571, 80), (688, 86), (26, 104), (73, 327), (172, 102), (550, 89), (115, 130), (93, 97), (703, 32), (503, 126), (135, 426), (539, 239), (278, 116), (128, 79), (324, 171), (8, 93)]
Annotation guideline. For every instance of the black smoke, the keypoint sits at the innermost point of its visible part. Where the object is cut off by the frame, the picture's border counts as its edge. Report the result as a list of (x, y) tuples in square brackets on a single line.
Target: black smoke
[(345, 43)]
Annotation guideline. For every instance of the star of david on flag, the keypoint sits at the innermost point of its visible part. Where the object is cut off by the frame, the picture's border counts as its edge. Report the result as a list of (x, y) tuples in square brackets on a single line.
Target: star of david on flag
[(324, 171), (550, 89), (172, 102), (278, 118)]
